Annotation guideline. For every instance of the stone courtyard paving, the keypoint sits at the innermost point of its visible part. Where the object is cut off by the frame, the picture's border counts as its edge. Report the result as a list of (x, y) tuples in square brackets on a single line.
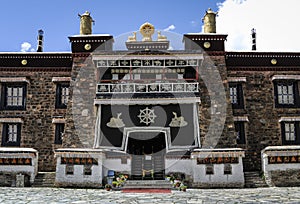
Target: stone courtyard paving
[(80, 196)]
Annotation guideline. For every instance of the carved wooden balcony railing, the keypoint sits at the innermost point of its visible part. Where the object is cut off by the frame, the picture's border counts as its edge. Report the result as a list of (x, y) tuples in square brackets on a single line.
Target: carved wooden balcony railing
[(155, 87)]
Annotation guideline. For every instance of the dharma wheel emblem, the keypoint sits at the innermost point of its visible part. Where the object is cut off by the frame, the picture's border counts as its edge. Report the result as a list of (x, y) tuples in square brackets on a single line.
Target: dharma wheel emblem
[(147, 116)]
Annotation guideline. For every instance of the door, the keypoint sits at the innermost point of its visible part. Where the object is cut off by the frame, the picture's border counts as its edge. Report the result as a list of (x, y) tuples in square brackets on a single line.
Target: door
[(147, 151)]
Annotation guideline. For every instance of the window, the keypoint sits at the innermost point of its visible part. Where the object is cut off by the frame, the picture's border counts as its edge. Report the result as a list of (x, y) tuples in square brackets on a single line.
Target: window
[(59, 130), (11, 134), (236, 95), (286, 94), (209, 169), (290, 133), (227, 169), (240, 132), (158, 76), (137, 76), (69, 169), (13, 96), (87, 169), (115, 77), (62, 95)]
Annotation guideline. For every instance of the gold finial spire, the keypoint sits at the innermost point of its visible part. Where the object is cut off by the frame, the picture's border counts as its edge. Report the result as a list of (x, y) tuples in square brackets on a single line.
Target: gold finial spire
[(147, 30), (210, 21), (86, 23)]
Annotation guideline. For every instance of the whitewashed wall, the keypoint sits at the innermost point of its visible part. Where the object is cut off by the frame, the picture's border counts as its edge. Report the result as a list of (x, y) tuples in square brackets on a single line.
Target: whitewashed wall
[(116, 165), (179, 165), (78, 178), (218, 178), (31, 170)]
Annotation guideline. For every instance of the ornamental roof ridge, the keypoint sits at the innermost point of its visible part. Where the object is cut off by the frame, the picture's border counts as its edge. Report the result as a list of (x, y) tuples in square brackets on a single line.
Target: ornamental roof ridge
[(16, 55), (261, 54), (92, 35), (35, 53), (211, 34)]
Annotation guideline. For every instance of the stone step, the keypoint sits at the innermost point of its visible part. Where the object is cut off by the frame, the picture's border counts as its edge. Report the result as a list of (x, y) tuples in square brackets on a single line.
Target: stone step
[(254, 180), (44, 179), (147, 184)]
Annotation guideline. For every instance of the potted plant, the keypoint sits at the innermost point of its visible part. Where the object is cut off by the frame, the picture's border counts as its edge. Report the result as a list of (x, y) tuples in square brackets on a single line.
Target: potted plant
[(107, 187), (183, 188)]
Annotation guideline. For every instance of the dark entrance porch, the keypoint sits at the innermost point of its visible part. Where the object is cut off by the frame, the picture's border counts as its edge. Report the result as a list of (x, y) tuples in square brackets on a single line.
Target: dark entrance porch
[(148, 152)]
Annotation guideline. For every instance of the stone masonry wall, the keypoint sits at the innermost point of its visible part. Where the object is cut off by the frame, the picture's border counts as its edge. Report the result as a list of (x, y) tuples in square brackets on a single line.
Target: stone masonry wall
[(81, 112), (289, 177), (37, 129), (263, 128), (215, 111)]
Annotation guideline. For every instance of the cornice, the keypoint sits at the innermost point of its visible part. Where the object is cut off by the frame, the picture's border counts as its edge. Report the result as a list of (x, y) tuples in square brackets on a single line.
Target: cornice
[(35, 55), (205, 36), (263, 60)]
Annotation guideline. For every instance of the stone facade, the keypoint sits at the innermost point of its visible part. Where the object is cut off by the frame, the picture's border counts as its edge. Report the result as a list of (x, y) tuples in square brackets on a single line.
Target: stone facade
[(37, 129), (214, 120), (259, 108), (81, 112), (215, 112), (284, 178)]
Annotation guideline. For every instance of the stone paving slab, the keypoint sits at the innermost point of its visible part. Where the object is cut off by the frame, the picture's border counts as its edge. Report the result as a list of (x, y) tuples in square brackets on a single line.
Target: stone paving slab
[(192, 196)]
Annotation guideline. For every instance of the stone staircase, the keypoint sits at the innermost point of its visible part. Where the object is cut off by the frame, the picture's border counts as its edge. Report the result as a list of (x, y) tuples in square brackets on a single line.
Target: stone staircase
[(159, 167), (44, 179), (147, 184), (136, 167), (156, 163), (254, 180)]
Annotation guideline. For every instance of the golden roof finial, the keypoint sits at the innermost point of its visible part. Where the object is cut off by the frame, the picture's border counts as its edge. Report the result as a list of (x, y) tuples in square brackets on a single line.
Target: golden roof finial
[(86, 23), (210, 21), (147, 30)]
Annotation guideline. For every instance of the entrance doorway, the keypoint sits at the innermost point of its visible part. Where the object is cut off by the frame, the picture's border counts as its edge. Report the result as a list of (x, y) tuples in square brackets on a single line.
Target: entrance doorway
[(148, 155)]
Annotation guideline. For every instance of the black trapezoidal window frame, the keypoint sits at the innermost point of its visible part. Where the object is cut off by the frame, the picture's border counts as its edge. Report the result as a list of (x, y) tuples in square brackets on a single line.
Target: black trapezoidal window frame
[(278, 96), (296, 133), (240, 131), (8, 97), (59, 130), (6, 133), (236, 95), (61, 95)]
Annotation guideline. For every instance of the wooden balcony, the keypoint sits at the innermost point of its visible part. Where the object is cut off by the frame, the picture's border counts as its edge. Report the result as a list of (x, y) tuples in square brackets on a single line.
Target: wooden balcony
[(156, 87)]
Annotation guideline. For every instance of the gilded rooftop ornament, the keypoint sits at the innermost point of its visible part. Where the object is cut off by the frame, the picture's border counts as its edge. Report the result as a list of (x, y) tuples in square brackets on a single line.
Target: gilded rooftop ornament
[(86, 23), (161, 37), (147, 30), (209, 21), (132, 38)]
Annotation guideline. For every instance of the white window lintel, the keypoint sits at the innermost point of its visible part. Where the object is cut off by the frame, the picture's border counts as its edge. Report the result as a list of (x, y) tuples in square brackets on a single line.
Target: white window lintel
[(236, 79), (11, 120), (58, 120), (14, 79), (285, 77), (61, 79), (289, 119), (241, 118)]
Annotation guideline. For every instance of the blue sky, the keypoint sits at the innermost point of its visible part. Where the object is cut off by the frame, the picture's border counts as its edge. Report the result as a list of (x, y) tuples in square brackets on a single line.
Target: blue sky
[(276, 21), (21, 19)]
